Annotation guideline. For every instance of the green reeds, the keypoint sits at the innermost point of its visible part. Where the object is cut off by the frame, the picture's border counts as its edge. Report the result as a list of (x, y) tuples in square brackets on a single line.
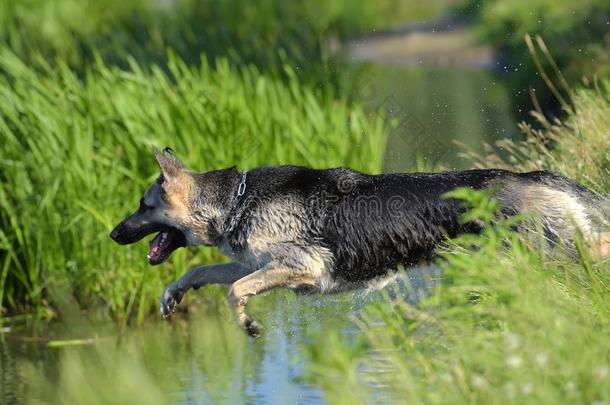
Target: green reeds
[(76, 157)]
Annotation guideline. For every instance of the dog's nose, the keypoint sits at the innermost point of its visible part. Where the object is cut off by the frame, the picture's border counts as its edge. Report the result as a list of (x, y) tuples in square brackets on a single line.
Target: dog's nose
[(115, 234)]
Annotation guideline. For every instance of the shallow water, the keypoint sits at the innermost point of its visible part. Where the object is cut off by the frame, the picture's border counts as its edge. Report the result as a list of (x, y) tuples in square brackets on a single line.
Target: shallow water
[(202, 358)]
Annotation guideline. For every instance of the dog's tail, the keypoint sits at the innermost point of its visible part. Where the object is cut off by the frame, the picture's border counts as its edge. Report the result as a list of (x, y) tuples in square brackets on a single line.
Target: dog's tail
[(599, 237), (566, 210), (593, 222)]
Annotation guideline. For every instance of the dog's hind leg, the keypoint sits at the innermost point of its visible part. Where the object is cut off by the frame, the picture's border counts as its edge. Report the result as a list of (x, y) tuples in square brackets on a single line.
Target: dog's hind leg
[(226, 273), (271, 276)]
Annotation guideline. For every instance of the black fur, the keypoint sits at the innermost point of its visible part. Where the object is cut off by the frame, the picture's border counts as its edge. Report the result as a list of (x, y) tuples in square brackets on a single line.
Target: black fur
[(351, 214)]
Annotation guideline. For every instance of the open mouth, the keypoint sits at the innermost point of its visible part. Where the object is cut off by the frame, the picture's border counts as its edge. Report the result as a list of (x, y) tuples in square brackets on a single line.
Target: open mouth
[(162, 245)]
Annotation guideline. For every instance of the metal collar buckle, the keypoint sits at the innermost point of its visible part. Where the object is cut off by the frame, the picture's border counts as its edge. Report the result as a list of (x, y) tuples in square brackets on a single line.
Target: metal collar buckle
[(241, 190)]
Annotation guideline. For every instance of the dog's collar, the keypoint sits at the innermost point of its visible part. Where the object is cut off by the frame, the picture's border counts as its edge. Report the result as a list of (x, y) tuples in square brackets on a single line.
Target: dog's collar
[(241, 190)]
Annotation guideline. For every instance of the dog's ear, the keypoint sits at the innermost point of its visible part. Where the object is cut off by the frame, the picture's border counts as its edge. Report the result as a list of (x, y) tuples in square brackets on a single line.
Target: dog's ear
[(170, 165)]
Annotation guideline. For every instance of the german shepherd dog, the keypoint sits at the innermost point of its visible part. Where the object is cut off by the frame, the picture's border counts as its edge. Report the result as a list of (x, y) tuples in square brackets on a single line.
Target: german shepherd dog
[(335, 229)]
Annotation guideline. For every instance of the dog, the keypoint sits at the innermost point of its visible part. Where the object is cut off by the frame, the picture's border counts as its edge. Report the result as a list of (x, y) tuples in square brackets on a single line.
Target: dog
[(334, 229)]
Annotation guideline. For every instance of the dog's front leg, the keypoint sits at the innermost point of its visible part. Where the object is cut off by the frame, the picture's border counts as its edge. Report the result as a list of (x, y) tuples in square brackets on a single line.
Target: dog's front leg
[(270, 276), (226, 273)]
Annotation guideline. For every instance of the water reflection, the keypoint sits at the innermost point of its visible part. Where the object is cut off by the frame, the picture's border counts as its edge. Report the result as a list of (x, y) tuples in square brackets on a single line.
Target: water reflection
[(433, 108), (202, 359)]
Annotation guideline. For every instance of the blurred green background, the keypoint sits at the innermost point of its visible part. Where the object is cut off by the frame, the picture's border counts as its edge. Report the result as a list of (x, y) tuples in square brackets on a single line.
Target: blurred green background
[(87, 87)]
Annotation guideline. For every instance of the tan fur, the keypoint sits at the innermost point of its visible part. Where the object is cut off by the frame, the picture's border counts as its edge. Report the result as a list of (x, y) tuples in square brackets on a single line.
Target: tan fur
[(283, 257), (562, 213), (271, 276), (600, 246), (562, 210), (177, 184), (270, 238), (178, 192)]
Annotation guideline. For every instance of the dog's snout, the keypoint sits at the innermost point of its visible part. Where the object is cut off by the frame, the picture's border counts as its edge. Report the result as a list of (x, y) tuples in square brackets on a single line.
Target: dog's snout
[(116, 233), (122, 234), (132, 229)]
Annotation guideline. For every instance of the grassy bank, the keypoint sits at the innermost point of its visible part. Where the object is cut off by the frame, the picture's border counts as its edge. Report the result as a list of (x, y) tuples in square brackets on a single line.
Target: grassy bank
[(76, 156), (509, 323)]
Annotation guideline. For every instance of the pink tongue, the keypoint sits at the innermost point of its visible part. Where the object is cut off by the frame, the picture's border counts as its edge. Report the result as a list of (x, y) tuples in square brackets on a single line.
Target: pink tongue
[(155, 245)]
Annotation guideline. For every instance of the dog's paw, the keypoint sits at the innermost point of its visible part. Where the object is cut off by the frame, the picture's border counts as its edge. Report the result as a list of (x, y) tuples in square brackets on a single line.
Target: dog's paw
[(171, 297), (252, 328)]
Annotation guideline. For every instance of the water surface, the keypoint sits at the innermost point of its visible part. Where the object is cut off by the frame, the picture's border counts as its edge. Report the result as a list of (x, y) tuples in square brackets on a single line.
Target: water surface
[(436, 114), (199, 358)]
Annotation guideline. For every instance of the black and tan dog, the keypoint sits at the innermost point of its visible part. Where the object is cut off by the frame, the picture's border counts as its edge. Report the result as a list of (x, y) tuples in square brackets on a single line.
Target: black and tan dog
[(334, 229)]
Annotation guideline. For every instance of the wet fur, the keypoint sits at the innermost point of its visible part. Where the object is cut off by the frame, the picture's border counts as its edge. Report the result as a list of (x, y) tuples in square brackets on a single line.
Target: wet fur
[(336, 229), (295, 208)]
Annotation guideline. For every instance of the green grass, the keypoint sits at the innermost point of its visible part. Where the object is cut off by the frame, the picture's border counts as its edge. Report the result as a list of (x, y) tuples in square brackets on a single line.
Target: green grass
[(509, 323), (76, 157), (266, 33)]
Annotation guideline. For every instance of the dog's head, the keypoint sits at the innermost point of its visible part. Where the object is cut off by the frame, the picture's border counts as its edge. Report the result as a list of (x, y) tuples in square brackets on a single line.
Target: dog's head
[(167, 208)]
